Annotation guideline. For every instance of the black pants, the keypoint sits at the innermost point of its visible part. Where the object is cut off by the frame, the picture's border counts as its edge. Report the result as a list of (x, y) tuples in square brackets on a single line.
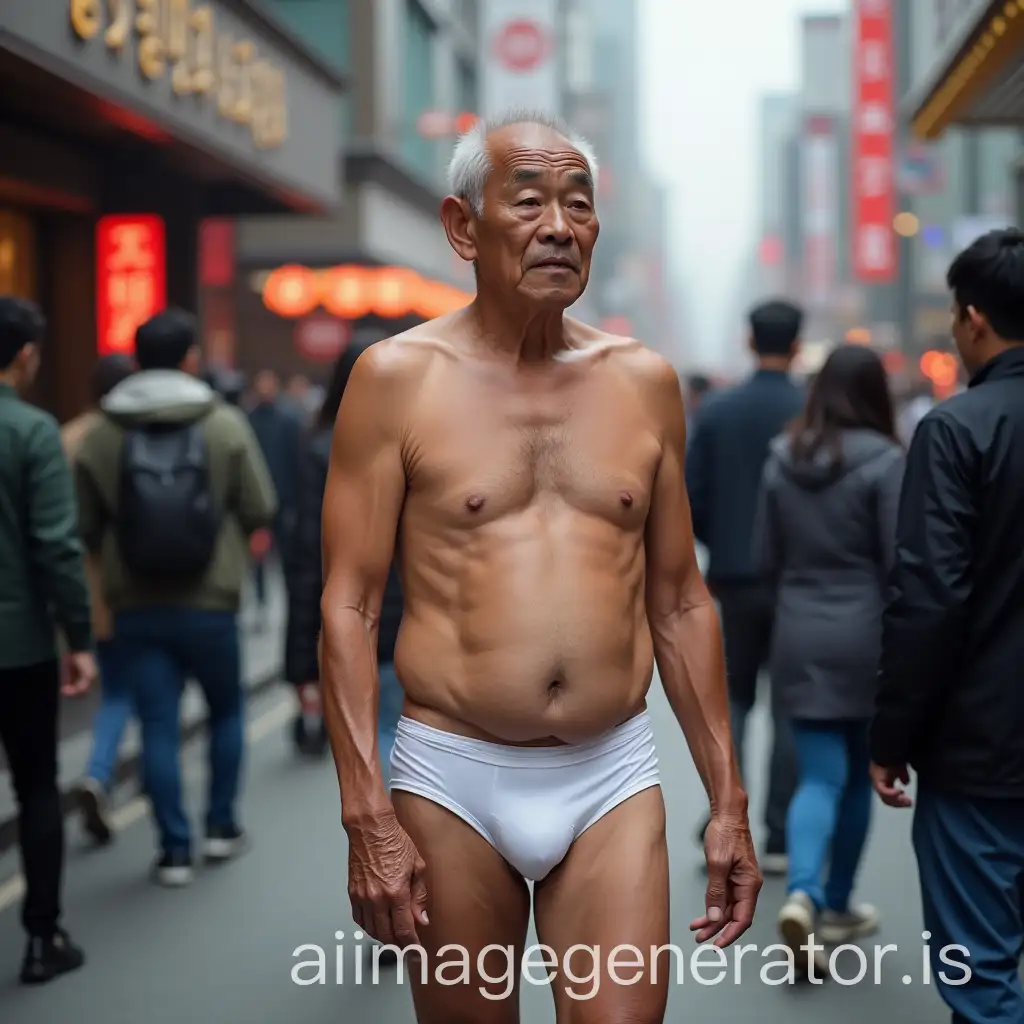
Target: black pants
[(748, 618), (29, 709)]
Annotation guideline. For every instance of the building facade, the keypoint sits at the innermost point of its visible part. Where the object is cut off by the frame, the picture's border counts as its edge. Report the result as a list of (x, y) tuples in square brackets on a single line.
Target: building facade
[(122, 130), (305, 287), (961, 165)]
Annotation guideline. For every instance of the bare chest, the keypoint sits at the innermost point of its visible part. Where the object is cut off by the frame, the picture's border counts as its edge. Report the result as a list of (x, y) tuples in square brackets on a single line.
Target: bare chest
[(486, 453)]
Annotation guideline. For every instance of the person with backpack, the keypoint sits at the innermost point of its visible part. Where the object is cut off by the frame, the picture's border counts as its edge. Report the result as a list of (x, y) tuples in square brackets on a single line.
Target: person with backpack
[(171, 486)]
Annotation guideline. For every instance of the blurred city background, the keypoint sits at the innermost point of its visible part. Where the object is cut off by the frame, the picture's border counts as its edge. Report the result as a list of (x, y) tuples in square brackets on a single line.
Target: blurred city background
[(277, 167)]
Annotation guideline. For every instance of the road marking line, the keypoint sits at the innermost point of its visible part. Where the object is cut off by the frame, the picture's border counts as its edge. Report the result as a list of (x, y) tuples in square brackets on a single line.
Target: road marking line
[(138, 807)]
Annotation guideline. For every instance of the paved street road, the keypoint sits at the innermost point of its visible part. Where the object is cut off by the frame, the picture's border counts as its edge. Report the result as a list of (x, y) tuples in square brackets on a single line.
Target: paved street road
[(222, 949)]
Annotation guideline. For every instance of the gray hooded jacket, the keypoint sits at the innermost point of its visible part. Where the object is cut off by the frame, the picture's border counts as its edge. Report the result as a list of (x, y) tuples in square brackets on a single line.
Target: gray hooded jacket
[(825, 536)]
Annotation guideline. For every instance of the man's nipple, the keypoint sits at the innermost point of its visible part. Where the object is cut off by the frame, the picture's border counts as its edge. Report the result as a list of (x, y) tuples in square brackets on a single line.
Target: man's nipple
[(627, 499), (475, 502)]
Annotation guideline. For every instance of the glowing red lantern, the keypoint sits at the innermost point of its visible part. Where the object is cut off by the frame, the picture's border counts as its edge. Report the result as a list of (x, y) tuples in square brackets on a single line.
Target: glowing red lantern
[(291, 291)]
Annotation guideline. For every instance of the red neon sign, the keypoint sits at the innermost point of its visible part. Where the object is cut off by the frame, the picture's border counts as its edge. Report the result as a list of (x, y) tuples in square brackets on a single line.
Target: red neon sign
[(874, 244), (131, 278)]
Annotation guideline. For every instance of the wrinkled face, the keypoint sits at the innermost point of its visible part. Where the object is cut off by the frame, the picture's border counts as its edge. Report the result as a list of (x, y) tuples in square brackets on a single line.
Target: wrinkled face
[(538, 229)]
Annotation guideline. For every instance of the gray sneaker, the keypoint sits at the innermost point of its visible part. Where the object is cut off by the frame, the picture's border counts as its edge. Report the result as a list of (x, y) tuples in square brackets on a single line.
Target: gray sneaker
[(856, 923), (797, 920)]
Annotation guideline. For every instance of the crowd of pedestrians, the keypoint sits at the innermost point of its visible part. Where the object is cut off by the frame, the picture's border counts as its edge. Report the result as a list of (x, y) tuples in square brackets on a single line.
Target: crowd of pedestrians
[(880, 584), (869, 567)]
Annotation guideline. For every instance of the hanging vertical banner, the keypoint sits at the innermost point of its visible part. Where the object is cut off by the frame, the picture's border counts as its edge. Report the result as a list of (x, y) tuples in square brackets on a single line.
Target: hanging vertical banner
[(874, 242), (821, 209), (130, 278), (520, 56)]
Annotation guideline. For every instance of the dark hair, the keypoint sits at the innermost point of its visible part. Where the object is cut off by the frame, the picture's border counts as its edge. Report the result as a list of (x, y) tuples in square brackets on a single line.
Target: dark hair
[(698, 384), (21, 324), (775, 326), (989, 275), (164, 340), (850, 392), (107, 373), (335, 390)]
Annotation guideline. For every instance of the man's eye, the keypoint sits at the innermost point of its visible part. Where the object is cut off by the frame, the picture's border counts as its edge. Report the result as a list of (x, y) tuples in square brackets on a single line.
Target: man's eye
[(531, 201)]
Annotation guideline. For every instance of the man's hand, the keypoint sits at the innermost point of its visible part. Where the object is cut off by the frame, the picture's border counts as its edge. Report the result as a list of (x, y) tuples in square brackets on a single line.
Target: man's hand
[(734, 881), (79, 673), (386, 882), (889, 782)]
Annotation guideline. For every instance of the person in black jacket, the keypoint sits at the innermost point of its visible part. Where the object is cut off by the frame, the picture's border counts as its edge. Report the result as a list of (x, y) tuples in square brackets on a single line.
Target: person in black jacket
[(951, 699), (306, 585)]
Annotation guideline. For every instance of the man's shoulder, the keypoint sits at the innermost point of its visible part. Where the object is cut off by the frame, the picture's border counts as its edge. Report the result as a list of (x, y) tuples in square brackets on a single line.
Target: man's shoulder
[(632, 357), (402, 359)]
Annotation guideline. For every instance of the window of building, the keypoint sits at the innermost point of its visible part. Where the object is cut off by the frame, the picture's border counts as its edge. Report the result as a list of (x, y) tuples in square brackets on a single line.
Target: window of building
[(323, 26), (418, 88)]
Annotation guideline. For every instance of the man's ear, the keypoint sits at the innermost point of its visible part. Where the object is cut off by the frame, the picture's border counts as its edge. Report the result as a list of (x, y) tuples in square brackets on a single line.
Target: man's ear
[(459, 227)]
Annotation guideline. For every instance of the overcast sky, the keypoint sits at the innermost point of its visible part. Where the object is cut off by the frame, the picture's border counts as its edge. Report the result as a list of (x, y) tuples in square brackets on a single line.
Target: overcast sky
[(704, 66)]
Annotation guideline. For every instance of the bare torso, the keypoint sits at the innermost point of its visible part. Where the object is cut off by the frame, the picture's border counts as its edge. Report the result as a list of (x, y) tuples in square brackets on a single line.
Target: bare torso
[(521, 542)]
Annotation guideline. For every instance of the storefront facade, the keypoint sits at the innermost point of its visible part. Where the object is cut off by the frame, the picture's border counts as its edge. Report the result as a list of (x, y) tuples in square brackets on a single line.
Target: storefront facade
[(124, 128), (978, 78)]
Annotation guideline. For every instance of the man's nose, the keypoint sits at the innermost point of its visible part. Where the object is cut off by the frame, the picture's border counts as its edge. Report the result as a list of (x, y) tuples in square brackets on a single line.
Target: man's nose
[(555, 229)]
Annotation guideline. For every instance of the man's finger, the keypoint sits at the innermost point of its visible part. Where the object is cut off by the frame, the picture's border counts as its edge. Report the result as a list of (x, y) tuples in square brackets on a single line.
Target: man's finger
[(403, 924), (419, 893), (741, 919), (382, 925)]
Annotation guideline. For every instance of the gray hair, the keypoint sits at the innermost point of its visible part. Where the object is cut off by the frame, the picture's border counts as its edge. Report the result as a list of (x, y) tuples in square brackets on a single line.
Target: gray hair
[(471, 162)]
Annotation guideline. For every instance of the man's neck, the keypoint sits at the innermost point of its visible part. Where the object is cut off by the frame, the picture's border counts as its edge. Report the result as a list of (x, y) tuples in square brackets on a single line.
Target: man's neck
[(10, 380), (526, 337), (774, 364)]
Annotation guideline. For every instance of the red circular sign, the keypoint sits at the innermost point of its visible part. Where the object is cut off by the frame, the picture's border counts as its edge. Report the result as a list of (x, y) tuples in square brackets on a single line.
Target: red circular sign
[(522, 45), (321, 338)]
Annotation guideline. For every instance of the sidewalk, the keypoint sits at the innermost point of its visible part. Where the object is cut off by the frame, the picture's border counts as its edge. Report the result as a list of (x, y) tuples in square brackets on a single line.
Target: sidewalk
[(262, 664)]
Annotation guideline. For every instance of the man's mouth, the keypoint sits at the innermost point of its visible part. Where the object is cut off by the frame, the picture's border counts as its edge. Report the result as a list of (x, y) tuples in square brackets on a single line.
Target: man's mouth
[(556, 262)]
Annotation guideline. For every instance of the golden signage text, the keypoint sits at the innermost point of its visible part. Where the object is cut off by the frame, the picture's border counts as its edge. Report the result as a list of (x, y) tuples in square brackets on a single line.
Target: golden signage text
[(179, 39)]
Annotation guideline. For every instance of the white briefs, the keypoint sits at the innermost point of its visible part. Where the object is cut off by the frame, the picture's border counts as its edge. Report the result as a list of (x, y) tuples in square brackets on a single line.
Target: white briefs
[(529, 803)]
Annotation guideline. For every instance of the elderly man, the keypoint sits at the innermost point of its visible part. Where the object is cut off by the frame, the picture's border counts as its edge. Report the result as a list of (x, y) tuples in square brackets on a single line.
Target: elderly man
[(531, 469)]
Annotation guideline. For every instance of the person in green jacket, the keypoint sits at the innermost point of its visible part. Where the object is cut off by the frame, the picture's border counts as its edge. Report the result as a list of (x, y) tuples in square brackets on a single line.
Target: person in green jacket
[(171, 487), (42, 590)]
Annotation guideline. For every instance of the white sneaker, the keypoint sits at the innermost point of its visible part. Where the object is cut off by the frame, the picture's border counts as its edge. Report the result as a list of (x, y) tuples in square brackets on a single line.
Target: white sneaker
[(857, 923), (797, 920)]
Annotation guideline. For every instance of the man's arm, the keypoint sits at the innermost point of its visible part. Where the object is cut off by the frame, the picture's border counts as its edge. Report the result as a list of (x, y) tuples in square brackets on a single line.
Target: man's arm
[(362, 505), (683, 619), (55, 547), (929, 587)]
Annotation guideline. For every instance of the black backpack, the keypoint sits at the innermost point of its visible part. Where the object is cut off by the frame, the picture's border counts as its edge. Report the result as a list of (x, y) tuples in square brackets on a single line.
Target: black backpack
[(167, 522)]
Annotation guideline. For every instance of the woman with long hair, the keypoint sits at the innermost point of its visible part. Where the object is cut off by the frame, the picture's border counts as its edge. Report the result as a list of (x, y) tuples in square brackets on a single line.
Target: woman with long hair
[(305, 586), (826, 538)]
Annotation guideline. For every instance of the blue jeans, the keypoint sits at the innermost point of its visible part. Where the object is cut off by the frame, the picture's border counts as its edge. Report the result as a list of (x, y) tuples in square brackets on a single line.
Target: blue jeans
[(831, 811), (392, 696), (163, 648), (970, 855), (116, 707)]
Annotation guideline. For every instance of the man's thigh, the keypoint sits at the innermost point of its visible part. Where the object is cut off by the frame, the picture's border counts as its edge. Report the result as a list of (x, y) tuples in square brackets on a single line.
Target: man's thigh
[(746, 637), (474, 901), (969, 855), (210, 650), (604, 911), (29, 712)]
